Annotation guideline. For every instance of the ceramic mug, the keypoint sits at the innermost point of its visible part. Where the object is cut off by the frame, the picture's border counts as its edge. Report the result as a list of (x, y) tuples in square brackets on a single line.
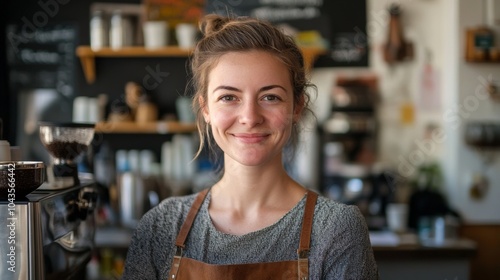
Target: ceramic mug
[(186, 35), (155, 34)]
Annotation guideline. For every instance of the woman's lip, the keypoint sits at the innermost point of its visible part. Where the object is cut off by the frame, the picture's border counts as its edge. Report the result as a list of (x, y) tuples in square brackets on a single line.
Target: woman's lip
[(250, 137)]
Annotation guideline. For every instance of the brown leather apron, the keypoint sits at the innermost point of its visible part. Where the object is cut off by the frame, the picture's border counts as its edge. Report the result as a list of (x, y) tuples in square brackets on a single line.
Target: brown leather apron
[(185, 268)]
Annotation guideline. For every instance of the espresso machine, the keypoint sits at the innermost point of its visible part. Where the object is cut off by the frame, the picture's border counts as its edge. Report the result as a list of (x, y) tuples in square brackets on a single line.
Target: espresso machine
[(49, 232)]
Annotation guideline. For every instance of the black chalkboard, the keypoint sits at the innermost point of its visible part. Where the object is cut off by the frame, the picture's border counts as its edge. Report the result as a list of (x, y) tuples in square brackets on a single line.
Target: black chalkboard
[(42, 57), (341, 23)]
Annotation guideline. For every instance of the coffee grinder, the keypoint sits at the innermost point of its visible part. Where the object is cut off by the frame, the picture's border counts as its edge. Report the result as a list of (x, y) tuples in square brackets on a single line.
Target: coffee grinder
[(65, 142)]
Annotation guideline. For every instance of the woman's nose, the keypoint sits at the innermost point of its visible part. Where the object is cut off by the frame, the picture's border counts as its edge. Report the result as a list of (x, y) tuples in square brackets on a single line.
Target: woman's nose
[(250, 114)]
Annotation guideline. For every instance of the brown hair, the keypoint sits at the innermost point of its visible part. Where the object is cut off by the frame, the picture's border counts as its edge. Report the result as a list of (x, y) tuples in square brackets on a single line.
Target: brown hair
[(237, 34)]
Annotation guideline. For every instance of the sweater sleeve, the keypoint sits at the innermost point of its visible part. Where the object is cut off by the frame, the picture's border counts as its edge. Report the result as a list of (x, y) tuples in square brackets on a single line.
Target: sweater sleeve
[(351, 255)]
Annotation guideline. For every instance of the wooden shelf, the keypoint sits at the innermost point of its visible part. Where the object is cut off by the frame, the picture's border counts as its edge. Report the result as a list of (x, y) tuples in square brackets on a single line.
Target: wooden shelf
[(482, 61), (160, 127), (87, 56), (83, 51)]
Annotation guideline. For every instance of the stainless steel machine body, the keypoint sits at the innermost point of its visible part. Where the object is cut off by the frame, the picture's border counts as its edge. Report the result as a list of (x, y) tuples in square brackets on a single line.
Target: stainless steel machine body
[(48, 234)]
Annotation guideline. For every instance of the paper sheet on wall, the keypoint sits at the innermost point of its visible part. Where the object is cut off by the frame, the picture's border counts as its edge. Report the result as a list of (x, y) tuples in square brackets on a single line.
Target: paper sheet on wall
[(429, 95)]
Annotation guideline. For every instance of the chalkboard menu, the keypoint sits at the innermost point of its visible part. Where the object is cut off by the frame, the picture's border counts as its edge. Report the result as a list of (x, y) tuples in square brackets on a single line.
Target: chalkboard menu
[(342, 24), (42, 57)]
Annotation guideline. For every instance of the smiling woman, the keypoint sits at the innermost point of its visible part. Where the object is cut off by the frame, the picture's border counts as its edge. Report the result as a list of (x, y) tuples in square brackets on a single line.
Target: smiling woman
[(256, 222)]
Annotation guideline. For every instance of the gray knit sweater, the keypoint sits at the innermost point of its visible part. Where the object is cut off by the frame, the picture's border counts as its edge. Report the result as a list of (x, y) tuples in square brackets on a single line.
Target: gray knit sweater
[(340, 245)]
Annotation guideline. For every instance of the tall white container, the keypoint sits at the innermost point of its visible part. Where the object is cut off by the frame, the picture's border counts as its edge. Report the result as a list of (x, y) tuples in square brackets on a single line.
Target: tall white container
[(120, 31), (98, 31)]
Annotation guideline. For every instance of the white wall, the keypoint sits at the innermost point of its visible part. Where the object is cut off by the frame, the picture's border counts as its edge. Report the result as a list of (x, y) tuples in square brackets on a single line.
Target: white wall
[(470, 95), (401, 83)]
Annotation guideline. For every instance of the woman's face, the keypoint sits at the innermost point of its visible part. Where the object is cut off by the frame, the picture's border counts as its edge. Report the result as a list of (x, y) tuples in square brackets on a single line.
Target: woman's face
[(250, 107)]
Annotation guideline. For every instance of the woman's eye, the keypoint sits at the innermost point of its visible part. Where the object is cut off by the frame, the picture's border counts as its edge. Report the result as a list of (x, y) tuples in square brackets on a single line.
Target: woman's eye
[(227, 98), (271, 98)]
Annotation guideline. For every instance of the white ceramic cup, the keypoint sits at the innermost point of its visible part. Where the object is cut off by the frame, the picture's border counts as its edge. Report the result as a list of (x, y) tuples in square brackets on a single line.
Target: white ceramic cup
[(186, 35), (155, 34), (80, 109)]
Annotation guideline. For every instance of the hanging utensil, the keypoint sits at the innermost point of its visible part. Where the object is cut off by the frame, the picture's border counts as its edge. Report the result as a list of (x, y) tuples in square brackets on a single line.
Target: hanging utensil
[(397, 48)]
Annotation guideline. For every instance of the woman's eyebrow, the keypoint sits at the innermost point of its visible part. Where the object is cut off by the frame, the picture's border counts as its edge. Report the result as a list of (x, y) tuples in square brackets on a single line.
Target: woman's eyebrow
[(271, 87), (230, 88)]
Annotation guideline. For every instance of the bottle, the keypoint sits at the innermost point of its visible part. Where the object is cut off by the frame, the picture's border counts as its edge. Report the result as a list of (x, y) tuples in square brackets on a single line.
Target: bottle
[(104, 169), (98, 33), (120, 31), (92, 269), (130, 187)]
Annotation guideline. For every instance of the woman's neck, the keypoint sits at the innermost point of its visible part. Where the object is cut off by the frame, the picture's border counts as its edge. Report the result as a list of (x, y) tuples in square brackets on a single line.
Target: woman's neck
[(247, 199), (243, 187)]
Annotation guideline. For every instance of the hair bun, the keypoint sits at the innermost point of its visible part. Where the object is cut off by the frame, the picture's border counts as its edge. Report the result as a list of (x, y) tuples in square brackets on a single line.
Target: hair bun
[(212, 23)]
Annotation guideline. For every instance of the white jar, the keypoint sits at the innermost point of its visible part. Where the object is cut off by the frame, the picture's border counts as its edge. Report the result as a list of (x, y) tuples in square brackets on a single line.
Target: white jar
[(120, 32), (98, 31)]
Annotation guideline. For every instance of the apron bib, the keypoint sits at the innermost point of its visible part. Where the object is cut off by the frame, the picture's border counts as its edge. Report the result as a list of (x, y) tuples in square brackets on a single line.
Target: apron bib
[(186, 268)]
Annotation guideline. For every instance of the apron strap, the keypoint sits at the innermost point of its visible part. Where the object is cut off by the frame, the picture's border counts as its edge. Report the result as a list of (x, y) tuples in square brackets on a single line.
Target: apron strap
[(183, 233), (305, 236), (186, 226)]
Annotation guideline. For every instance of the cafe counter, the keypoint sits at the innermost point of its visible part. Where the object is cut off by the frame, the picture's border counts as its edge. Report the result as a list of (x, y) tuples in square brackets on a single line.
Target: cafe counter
[(398, 256), (404, 257)]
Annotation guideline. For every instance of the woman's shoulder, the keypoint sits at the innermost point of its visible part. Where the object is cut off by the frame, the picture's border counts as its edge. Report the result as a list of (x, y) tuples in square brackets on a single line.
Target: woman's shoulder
[(336, 212), (326, 203)]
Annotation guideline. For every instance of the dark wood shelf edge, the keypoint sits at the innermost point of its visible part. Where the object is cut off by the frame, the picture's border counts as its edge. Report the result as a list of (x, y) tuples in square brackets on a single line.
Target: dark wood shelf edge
[(87, 56)]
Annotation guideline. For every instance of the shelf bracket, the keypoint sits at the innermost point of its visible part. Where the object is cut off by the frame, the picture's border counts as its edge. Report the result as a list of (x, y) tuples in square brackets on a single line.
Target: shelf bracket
[(87, 60)]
